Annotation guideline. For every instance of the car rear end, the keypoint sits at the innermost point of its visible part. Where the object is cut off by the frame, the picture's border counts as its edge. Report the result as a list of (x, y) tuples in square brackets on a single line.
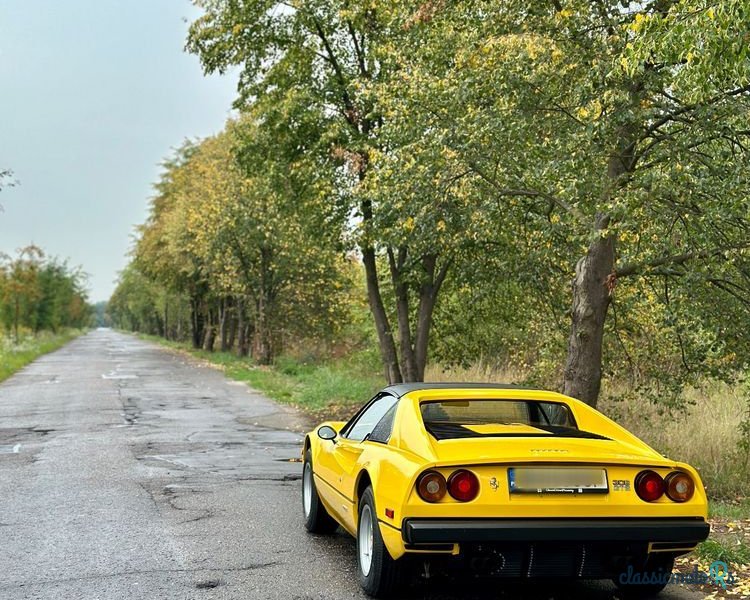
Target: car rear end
[(524, 499)]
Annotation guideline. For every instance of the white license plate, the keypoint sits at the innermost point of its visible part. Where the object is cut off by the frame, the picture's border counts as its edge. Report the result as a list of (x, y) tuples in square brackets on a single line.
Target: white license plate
[(556, 480)]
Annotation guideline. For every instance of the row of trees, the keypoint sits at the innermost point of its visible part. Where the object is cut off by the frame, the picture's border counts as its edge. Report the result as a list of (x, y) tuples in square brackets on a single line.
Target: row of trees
[(239, 250), (478, 157), (39, 293)]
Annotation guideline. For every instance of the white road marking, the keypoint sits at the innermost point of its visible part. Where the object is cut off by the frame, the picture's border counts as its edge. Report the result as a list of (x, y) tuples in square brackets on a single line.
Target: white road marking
[(114, 376)]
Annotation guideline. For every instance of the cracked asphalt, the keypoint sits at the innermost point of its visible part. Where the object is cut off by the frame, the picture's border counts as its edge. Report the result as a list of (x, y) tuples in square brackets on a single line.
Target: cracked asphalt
[(129, 471)]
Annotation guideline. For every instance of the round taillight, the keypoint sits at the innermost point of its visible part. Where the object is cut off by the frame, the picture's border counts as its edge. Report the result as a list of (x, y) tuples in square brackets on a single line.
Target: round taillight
[(463, 485), (680, 486), (431, 486), (649, 486)]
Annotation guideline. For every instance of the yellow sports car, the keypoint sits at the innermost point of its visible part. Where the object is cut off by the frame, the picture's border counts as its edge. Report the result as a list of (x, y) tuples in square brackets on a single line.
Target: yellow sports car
[(505, 481)]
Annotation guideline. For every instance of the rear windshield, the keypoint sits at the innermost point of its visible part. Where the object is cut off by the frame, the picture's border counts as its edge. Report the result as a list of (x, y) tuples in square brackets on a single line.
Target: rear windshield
[(446, 419)]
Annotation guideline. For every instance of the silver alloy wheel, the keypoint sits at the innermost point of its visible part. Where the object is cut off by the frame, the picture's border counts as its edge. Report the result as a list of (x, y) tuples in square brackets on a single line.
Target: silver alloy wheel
[(365, 540), (307, 489)]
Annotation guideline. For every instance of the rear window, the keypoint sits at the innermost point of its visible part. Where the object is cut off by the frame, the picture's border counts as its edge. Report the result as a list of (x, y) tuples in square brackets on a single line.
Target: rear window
[(446, 419)]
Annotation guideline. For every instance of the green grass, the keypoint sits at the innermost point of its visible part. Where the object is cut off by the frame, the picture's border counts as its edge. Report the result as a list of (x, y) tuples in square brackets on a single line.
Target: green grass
[(733, 551), (331, 388), (14, 357), (730, 510)]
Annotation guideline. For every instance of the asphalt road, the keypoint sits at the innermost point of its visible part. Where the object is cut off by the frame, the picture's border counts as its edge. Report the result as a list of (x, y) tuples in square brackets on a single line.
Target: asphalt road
[(128, 471)]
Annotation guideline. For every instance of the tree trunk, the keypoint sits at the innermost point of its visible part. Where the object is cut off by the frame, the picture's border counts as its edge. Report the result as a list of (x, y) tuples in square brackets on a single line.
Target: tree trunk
[(208, 343), (16, 317), (166, 316), (594, 280), (407, 363), (232, 327), (262, 351), (428, 293), (591, 297), (197, 322), (388, 352), (224, 320), (243, 348)]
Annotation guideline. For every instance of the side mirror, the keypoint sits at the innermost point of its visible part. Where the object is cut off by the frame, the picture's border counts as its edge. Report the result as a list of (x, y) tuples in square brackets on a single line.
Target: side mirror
[(327, 433)]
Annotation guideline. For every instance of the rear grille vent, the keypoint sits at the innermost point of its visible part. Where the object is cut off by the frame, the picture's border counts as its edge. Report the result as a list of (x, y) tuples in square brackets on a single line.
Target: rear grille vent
[(585, 561)]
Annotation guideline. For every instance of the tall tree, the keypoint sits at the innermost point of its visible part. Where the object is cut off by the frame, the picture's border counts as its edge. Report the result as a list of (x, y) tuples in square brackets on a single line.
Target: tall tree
[(327, 57), (21, 290), (612, 147), (163, 251)]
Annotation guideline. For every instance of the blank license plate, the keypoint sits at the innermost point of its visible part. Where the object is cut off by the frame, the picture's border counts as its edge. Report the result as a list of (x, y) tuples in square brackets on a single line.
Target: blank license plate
[(545, 480)]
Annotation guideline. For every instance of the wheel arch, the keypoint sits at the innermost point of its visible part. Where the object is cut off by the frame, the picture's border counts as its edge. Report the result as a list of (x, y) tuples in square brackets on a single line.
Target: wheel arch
[(391, 536), (363, 481), (306, 446)]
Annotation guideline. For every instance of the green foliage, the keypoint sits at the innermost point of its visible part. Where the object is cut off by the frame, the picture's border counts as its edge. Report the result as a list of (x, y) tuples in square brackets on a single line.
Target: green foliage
[(101, 316), (732, 552), (470, 153), (546, 116), (39, 293), (492, 136), (142, 304), (743, 446), (730, 510), (313, 387)]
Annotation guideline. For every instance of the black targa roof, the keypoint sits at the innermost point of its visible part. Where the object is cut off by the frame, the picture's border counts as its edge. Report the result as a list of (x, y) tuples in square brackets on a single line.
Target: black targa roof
[(400, 389)]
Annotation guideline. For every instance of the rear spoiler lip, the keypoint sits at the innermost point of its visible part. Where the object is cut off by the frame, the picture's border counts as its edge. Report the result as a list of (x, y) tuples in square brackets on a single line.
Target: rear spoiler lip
[(644, 463)]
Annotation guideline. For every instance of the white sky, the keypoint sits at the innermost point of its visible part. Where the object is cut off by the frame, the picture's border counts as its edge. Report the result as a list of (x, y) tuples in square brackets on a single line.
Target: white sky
[(93, 95)]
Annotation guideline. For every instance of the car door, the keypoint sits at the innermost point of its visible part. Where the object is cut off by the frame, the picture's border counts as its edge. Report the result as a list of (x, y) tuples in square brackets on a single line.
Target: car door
[(339, 461)]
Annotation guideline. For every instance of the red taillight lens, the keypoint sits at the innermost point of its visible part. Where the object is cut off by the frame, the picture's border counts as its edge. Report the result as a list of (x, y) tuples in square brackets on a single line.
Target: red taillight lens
[(680, 486), (431, 486), (463, 485), (649, 486)]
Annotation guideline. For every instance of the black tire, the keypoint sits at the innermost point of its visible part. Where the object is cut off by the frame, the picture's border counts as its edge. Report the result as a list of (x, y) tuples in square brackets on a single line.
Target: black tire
[(317, 519), (656, 563), (383, 574)]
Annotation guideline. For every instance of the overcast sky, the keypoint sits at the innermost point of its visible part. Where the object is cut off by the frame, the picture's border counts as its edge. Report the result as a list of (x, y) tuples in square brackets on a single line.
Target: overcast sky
[(93, 95)]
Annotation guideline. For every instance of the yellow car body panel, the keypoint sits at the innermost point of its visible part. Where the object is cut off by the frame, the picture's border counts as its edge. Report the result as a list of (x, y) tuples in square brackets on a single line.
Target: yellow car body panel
[(341, 466)]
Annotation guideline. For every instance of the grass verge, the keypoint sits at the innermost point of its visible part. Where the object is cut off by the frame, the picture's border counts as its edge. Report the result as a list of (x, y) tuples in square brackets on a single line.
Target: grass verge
[(14, 357)]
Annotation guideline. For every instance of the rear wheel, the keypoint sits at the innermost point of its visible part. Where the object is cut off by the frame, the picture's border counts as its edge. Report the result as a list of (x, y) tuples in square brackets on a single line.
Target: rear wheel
[(657, 565), (379, 574), (317, 519)]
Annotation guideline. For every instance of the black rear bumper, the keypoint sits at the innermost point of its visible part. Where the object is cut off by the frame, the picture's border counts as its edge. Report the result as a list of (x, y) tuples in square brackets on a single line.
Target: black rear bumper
[(451, 531)]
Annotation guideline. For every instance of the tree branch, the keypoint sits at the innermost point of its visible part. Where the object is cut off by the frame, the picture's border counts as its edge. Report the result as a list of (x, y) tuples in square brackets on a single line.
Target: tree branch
[(676, 259), (357, 50), (346, 98), (503, 191), (686, 108)]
